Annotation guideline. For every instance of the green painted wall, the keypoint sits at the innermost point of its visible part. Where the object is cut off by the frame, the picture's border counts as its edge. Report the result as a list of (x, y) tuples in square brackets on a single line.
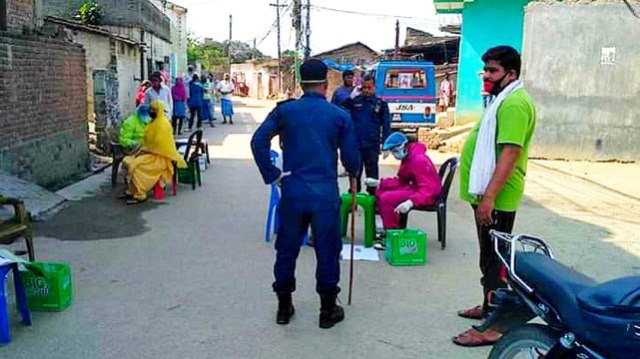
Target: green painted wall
[(485, 24)]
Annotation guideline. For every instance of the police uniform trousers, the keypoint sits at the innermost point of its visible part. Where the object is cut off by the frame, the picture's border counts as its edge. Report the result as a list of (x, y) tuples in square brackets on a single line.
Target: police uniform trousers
[(369, 165), (295, 217)]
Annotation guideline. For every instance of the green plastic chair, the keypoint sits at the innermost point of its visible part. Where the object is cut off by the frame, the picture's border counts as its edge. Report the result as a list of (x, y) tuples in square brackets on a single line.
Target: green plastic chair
[(368, 203)]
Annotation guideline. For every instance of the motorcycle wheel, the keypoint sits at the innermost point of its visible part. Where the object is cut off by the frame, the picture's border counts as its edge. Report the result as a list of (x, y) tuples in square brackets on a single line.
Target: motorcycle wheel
[(531, 341)]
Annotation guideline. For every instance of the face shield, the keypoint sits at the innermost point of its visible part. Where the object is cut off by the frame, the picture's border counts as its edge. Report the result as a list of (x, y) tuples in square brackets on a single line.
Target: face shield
[(399, 152)]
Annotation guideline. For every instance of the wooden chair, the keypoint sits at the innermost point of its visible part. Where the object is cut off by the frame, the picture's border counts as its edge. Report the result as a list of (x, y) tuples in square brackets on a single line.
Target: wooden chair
[(18, 226), (117, 155)]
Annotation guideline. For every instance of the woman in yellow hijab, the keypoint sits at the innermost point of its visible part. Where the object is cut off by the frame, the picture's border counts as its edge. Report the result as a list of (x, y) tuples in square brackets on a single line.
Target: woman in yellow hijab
[(154, 161)]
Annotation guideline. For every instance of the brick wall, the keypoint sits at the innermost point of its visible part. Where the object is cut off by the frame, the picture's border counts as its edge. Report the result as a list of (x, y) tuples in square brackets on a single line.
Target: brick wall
[(19, 14), (43, 130)]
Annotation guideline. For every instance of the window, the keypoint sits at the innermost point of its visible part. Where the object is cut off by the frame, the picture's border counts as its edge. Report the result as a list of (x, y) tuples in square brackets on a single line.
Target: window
[(406, 79)]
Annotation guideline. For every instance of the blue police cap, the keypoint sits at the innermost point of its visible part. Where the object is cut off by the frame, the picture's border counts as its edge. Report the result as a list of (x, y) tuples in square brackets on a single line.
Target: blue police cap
[(313, 72)]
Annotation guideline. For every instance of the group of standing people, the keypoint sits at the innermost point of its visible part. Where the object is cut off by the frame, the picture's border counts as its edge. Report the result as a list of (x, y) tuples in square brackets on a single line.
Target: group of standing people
[(193, 95), (315, 133)]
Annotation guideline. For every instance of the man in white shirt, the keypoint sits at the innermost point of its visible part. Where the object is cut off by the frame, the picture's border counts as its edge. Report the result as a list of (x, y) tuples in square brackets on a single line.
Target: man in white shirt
[(225, 89), (187, 78), (158, 91)]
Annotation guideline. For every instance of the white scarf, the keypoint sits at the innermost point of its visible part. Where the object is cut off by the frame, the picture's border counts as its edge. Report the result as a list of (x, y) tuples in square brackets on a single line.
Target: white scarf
[(483, 163)]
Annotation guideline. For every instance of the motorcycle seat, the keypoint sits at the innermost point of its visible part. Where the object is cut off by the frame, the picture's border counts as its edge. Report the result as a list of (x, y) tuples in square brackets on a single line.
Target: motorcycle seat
[(557, 283), (617, 297)]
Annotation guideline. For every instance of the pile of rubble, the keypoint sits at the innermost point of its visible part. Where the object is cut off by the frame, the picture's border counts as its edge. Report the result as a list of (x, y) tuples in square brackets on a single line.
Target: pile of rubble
[(445, 136)]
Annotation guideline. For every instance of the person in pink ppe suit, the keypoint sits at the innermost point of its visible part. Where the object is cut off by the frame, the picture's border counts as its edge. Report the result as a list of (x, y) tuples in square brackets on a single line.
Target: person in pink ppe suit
[(417, 184)]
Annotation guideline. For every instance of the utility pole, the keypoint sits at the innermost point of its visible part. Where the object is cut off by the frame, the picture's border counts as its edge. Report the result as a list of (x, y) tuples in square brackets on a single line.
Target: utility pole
[(307, 50), (278, 6), (229, 44), (297, 25), (255, 51), (397, 48)]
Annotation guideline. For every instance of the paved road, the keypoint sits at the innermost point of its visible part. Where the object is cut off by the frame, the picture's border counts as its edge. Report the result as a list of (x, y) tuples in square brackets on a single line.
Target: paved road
[(191, 277)]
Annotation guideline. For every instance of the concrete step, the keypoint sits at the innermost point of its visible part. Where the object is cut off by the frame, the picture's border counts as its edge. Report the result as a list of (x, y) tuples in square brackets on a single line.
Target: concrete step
[(40, 202)]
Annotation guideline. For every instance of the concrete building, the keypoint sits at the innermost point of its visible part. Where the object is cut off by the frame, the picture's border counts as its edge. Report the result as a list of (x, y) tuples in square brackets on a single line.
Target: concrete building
[(485, 24), (260, 76), (43, 129), (581, 66), (112, 72), (178, 16), (138, 20)]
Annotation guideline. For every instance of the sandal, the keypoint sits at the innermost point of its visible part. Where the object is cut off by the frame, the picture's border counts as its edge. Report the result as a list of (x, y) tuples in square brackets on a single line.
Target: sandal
[(473, 338), (472, 313), (133, 201), (379, 246)]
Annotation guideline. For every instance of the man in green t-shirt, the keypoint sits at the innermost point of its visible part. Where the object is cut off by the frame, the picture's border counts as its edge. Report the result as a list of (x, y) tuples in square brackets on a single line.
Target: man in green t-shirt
[(496, 208)]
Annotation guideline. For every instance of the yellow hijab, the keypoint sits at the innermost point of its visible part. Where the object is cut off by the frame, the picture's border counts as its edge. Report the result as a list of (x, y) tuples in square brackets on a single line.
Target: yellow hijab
[(158, 138)]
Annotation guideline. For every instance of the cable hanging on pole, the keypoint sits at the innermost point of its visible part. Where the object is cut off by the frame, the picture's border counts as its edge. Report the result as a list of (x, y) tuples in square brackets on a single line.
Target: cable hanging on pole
[(371, 14), (275, 24)]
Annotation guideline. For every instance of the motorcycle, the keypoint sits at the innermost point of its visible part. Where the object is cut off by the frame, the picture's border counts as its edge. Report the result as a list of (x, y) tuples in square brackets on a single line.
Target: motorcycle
[(581, 318)]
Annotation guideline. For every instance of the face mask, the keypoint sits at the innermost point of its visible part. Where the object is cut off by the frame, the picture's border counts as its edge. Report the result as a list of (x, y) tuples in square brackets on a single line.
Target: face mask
[(497, 86), (399, 153)]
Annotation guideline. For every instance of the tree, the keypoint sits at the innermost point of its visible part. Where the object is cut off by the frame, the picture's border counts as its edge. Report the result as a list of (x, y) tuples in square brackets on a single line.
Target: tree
[(289, 53), (214, 53)]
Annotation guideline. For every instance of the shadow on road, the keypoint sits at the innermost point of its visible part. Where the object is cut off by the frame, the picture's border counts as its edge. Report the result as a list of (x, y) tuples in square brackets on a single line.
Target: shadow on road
[(101, 217)]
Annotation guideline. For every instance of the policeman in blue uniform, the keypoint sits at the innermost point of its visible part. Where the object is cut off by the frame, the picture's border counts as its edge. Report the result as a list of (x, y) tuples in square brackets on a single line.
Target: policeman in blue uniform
[(342, 93), (311, 131), (372, 122)]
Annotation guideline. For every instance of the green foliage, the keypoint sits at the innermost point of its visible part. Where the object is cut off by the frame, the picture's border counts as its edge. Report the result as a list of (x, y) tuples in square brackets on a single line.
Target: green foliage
[(290, 53), (214, 53), (90, 13)]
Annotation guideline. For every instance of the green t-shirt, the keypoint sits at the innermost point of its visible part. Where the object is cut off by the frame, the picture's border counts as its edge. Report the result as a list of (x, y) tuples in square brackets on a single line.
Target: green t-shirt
[(516, 121)]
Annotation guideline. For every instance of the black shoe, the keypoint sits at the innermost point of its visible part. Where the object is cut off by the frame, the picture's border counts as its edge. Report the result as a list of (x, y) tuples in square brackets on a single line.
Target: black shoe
[(330, 313), (285, 309), (224, 122), (231, 122)]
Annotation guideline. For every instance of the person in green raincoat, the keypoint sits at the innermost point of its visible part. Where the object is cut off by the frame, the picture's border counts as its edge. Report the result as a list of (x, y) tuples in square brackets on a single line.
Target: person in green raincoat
[(133, 128)]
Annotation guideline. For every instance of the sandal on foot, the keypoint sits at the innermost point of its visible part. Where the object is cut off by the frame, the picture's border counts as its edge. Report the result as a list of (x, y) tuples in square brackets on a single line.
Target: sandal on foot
[(472, 313), (473, 338), (133, 201)]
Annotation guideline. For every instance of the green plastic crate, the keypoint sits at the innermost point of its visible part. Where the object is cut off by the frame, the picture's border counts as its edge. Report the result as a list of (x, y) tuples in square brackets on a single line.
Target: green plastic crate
[(185, 175), (406, 247), (54, 292)]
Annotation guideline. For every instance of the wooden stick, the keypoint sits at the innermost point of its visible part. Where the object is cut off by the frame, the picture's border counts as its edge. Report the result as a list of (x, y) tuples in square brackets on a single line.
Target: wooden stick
[(353, 235)]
